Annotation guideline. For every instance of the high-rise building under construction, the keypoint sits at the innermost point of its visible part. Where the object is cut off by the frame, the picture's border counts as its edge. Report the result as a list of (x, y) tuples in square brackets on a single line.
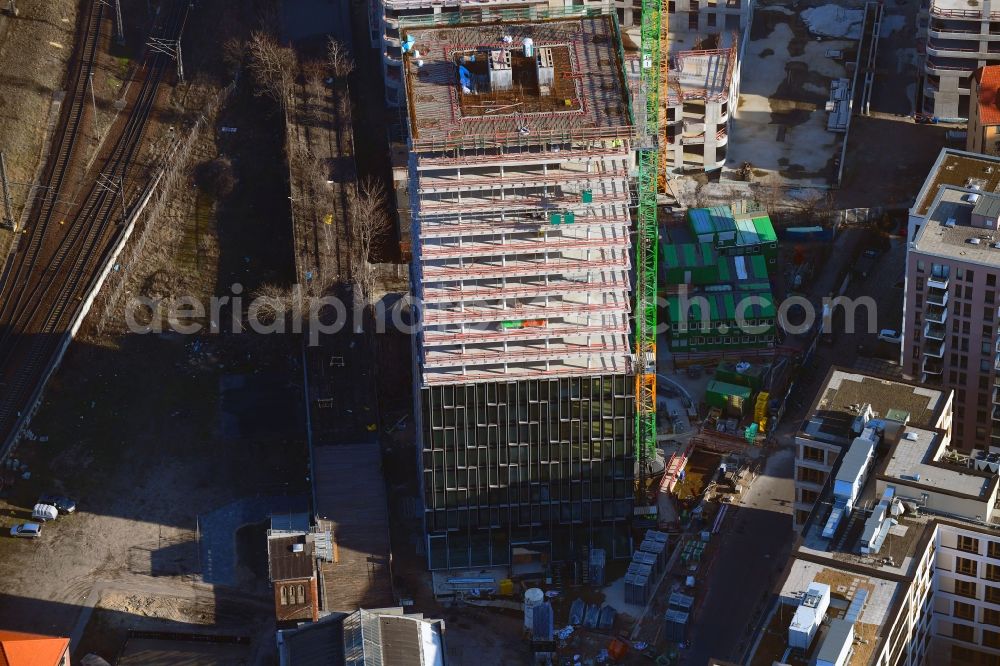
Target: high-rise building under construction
[(521, 134)]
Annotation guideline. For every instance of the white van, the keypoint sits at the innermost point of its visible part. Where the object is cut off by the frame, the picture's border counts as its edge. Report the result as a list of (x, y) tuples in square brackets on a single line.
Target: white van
[(44, 512)]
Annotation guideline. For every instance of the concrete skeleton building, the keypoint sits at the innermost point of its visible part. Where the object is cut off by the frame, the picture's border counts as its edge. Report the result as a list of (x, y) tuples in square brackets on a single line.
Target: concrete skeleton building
[(950, 308), (520, 153), (959, 37), (706, 43), (914, 571)]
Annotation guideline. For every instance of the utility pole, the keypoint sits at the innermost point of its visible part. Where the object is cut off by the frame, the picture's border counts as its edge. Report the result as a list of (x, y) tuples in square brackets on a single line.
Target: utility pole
[(171, 48), (8, 209), (93, 102), (115, 185), (119, 23)]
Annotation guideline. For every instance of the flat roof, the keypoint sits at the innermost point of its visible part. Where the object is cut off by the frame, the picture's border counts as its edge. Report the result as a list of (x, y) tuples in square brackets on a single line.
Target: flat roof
[(959, 168), (478, 80), (845, 587), (287, 563), (913, 455), (948, 231), (845, 391)]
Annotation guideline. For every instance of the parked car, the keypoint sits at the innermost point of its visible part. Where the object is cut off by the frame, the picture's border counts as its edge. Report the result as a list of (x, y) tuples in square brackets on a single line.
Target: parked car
[(890, 335), (61, 502), (44, 513), (26, 530)]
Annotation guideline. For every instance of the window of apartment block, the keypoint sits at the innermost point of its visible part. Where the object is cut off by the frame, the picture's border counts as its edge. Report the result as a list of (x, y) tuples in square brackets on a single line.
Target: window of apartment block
[(992, 594), (987, 314), (991, 639), (809, 496), (964, 611), (963, 632), (921, 267), (693, 5), (711, 20), (959, 273), (984, 382), (813, 454), (966, 588), (952, 376), (954, 326), (810, 475), (692, 21), (990, 296), (965, 566), (970, 276), (968, 292), (940, 270), (966, 328), (993, 549), (964, 346), (991, 279), (968, 544), (991, 616), (671, 7), (992, 572), (967, 310)]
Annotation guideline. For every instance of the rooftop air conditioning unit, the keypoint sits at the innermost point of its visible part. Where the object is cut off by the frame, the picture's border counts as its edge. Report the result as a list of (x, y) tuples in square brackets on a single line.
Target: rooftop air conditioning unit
[(950, 222)]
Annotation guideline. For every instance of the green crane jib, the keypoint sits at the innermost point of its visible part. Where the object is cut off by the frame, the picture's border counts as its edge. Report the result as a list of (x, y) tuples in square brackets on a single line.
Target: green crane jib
[(645, 318)]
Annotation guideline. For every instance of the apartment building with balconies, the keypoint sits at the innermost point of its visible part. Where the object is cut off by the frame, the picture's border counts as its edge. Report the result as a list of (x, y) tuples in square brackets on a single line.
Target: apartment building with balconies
[(959, 38), (914, 568), (950, 306)]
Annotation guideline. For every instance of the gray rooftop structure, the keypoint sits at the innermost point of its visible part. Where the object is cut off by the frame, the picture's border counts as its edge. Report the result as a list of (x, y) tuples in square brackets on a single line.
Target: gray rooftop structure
[(837, 642), (949, 231), (914, 459)]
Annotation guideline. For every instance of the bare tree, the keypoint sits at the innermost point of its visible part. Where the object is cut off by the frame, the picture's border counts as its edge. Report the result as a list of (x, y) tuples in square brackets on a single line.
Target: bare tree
[(234, 51), (368, 224), (272, 67), (339, 59)]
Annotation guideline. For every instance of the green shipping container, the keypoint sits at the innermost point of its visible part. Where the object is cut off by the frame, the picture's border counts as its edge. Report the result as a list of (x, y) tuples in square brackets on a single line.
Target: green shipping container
[(512, 324), (724, 395)]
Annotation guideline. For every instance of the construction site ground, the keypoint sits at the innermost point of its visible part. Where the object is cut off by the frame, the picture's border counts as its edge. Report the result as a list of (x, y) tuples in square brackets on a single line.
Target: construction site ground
[(152, 433)]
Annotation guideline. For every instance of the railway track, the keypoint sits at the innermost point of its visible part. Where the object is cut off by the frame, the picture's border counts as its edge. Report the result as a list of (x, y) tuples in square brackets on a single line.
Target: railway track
[(45, 284)]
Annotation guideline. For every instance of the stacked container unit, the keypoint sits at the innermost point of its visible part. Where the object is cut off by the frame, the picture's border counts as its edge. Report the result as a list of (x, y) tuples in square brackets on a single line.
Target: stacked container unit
[(657, 548), (678, 613), (648, 559), (638, 582)]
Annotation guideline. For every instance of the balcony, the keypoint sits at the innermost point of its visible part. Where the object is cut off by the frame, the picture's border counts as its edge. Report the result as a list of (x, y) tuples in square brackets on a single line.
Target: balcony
[(995, 414), (935, 332), (934, 350), (937, 315), (938, 282), (930, 380), (996, 395), (937, 297), (932, 366)]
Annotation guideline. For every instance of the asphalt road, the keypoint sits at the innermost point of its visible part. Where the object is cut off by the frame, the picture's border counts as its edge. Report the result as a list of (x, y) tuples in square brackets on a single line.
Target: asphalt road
[(756, 539)]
